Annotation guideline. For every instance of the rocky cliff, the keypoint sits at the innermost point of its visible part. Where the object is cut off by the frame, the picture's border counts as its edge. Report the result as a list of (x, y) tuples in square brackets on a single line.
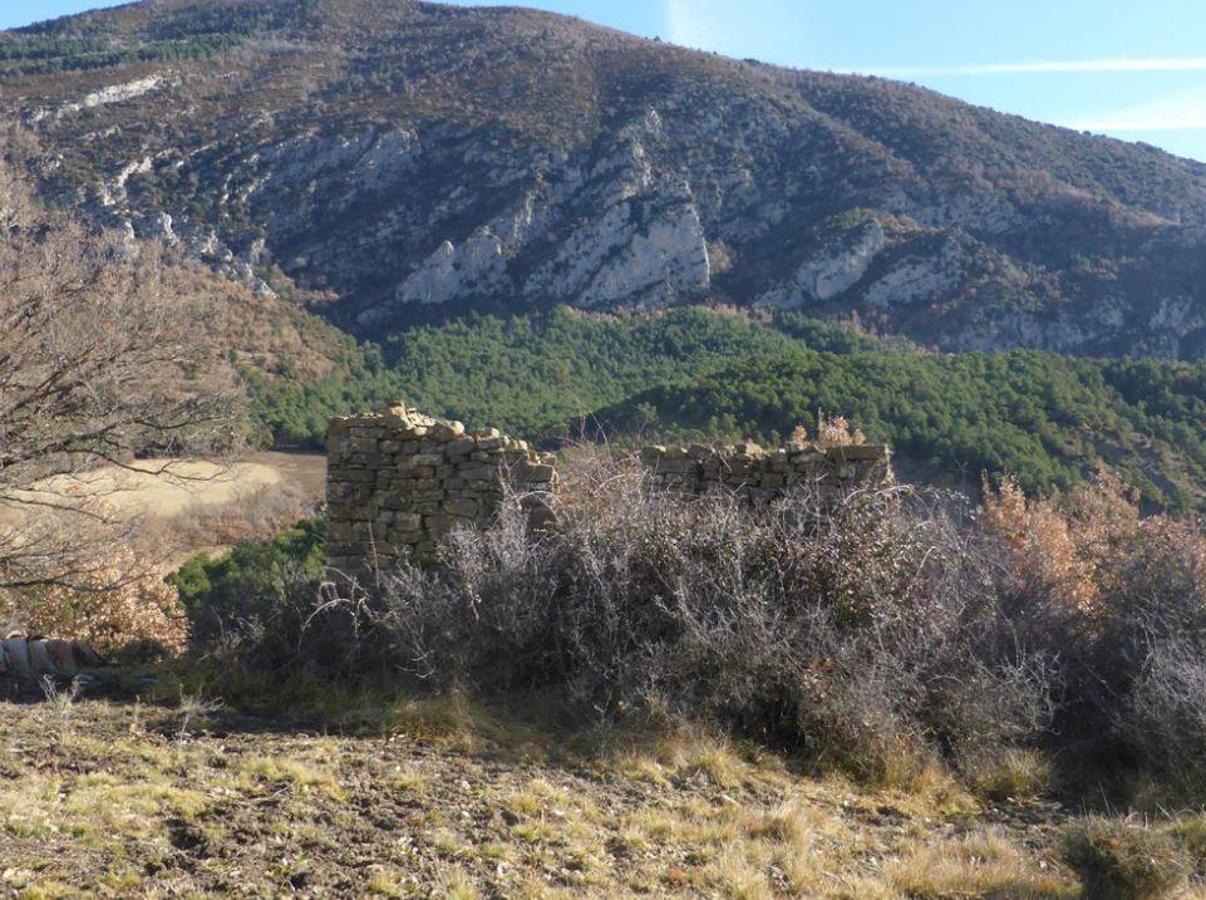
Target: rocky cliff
[(405, 159)]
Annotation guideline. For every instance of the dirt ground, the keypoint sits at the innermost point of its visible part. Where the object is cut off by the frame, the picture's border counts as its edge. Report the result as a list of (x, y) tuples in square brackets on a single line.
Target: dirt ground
[(113, 799)]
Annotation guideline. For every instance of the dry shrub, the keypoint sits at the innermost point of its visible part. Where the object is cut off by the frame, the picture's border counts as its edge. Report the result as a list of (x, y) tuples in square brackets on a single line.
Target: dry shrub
[(836, 432), (104, 584), (122, 601), (869, 632), (1041, 541), (1124, 859), (1068, 545), (877, 632), (1163, 715), (1122, 598)]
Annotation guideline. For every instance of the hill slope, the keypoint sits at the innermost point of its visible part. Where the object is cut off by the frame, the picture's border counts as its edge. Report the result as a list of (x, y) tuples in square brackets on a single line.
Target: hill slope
[(1046, 419), (407, 159)]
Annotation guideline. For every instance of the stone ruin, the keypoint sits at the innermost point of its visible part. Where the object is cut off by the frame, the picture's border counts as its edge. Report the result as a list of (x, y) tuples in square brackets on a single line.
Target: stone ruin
[(398, 481), (762, 474)]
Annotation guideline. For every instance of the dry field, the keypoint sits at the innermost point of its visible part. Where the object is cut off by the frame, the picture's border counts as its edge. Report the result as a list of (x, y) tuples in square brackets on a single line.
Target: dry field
[(432, 799), (188, 505)]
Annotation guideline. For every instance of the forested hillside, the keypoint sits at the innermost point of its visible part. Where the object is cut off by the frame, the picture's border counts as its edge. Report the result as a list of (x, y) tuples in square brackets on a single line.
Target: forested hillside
[(1045, 418), (451, 182)]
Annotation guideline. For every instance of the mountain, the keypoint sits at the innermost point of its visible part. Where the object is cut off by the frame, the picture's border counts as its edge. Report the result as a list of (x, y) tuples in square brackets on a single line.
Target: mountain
[(389, 162)]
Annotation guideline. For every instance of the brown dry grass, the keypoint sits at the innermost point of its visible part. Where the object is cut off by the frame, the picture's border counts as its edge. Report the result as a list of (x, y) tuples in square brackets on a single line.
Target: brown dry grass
[(434, 798), (182, 507)]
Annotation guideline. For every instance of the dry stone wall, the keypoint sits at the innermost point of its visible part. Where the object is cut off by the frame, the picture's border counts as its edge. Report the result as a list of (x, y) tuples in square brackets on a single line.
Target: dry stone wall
[(763, 474), (398, 481)]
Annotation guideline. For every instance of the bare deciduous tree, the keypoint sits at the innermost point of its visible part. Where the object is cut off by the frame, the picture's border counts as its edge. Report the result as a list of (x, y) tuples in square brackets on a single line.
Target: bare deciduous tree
[(99, 361)]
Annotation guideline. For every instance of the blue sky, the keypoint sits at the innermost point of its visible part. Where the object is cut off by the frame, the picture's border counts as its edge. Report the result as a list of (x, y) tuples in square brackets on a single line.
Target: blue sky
[(1135, 69)]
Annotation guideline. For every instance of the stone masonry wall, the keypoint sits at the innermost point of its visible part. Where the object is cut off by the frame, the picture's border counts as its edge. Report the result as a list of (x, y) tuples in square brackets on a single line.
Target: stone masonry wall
[(398, 480), (763, 474)]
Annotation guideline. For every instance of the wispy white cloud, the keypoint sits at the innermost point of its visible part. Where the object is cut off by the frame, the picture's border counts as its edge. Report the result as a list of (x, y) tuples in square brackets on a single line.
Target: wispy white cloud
[(1180, 111), (1154, 64)]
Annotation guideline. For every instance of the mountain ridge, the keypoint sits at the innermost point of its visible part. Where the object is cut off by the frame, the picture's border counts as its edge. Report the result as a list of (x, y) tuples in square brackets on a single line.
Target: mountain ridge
[(388, 162)]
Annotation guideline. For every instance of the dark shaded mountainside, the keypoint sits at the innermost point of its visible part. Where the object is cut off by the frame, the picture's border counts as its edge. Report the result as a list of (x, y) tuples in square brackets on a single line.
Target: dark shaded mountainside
[(402, 160)]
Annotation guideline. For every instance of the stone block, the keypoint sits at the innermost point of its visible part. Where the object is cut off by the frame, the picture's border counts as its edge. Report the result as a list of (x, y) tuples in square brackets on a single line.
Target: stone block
[(408, 521), (447, 431), (651, 454), (479, 473), (464, 507), (860, 452), (675, 466)]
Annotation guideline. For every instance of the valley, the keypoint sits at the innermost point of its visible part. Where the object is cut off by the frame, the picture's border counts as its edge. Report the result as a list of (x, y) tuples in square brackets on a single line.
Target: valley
[(746, 482)]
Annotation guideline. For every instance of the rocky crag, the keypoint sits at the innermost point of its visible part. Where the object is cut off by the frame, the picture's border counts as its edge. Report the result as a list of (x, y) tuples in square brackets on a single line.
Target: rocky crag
[(404, 159)]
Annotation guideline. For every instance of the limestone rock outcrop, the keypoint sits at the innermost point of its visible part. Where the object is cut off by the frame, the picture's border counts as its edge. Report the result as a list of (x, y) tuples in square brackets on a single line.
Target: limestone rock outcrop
[(392, 161)]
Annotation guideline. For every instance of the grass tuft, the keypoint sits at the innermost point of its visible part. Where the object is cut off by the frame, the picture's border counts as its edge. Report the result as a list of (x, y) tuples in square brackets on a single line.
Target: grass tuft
[(1124, 859)]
